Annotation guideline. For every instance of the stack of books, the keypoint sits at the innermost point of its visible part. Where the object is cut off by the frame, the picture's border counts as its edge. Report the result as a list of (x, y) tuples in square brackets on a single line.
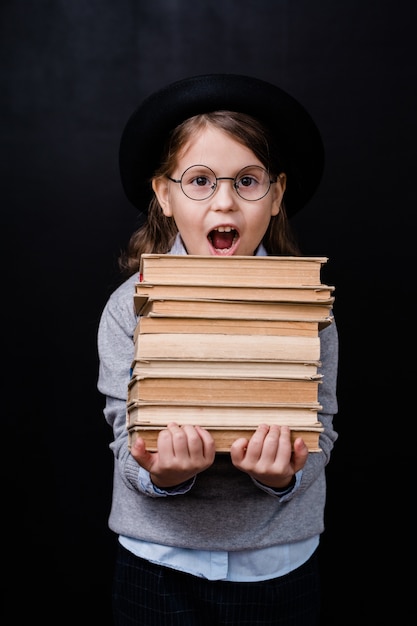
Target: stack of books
[(228, 343)]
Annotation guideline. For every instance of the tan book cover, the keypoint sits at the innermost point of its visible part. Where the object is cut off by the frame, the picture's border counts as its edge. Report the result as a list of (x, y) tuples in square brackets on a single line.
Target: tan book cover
[(155, 324), (218, 346), (237, 310), (263, 368), (218, 291), (225, 437), (226, 389), (239, 270), (160, 413)]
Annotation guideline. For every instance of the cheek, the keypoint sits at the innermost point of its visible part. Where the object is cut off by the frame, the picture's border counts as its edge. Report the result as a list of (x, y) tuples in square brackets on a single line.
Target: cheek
[(270, 209), (174, 205), (256, 223), (185, 215)]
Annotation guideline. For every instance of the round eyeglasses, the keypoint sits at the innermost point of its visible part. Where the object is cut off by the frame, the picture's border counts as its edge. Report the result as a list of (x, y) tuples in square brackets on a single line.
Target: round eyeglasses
[(199, 182)]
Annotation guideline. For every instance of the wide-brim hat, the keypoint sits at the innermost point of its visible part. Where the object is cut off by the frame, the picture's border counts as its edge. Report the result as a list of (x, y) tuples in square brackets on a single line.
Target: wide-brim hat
[(291, 126)]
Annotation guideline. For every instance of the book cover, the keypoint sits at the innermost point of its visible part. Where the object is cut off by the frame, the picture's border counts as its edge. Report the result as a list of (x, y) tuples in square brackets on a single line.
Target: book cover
[(224, 437), (222, 414), (212, 389), (161, 324), (263, 368), (240, 270), (237, 310), (311, 295), (218, 346)]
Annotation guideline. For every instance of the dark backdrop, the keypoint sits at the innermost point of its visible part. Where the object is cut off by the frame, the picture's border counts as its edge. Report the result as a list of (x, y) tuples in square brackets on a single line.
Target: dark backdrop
[(71, 73)]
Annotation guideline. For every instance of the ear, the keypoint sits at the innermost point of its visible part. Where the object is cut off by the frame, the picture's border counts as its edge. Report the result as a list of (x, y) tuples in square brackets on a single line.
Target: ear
[(278, 193), (160, 186)]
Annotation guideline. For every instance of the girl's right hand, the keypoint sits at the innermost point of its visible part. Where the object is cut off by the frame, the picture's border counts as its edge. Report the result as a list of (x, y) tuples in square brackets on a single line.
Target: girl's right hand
[(182, 452)]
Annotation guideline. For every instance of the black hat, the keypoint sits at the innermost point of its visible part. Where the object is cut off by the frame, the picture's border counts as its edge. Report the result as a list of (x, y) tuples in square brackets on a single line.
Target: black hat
[(289, 123)]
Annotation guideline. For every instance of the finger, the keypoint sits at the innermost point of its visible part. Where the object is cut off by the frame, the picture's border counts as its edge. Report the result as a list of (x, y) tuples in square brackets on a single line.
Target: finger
[(273, 442), (141, 454), (284, 448), (165, 444), (200, 444), (192, 440), (256, 442), (209, 445), (238, 449), (300, 454), (179, 440)]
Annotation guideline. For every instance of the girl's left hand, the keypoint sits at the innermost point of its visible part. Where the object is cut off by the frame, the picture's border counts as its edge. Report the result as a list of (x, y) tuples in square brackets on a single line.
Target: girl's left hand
[(269, 457)]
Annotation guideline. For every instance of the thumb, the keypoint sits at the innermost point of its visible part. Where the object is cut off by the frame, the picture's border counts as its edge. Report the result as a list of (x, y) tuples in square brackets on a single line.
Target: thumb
[(300, 454), (141, 454)]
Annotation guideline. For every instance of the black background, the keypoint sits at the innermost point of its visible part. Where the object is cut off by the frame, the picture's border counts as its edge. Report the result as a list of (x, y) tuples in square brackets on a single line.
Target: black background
[(71, 73)]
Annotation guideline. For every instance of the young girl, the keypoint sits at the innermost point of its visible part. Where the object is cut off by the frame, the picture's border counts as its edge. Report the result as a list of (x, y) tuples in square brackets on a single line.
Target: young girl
[(217, 164)]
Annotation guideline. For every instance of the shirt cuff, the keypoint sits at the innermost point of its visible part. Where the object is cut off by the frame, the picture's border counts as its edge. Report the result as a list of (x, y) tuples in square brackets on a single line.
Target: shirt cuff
[(281, 493), (146, 486)]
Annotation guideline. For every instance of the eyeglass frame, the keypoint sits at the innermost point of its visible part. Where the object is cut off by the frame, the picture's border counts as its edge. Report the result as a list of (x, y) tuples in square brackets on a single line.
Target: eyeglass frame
[(215, 185)]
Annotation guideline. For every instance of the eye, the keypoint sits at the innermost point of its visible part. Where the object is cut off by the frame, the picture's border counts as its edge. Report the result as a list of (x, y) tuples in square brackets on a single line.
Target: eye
[(201, 181), (247, 181), (199, 177)]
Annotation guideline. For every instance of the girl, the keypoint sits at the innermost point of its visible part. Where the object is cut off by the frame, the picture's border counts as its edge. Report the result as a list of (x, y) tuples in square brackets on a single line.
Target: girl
[(216, 164)]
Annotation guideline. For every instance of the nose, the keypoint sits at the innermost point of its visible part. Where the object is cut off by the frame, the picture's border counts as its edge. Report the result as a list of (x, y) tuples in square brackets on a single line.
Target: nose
[(225, 195)]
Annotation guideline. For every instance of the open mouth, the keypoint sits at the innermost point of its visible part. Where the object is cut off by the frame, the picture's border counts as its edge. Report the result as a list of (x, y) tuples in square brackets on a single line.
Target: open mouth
[(223, 238)]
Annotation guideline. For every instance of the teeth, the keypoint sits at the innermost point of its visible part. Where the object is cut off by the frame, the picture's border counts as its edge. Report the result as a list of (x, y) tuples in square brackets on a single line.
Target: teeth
[(224, 251), (224, 229)]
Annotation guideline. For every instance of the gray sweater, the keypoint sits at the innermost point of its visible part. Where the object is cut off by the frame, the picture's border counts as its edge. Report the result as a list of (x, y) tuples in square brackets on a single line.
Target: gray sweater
[(224, 510)]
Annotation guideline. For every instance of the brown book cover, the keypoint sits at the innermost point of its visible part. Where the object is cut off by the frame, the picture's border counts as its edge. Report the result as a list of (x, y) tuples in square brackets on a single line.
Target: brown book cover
[(160, 413), (239, 270), (227, 389), (202, 346), (216, 291), (263, 368), (225, 437), (155, 324), (237, 310)]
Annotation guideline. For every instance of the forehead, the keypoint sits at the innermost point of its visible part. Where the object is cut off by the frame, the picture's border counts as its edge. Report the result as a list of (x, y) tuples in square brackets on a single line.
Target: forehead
[(216, 148)]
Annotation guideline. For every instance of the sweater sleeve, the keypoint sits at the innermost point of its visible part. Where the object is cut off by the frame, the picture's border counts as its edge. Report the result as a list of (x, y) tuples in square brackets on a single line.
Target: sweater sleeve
[(116, 352), (327, 396)]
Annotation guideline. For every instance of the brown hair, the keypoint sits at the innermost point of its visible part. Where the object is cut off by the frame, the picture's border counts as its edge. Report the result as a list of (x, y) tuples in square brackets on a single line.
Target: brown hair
[(158, 233)]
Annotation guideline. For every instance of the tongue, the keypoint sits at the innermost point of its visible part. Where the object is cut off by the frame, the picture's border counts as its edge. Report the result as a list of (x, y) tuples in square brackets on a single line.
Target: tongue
[(221, 241)]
